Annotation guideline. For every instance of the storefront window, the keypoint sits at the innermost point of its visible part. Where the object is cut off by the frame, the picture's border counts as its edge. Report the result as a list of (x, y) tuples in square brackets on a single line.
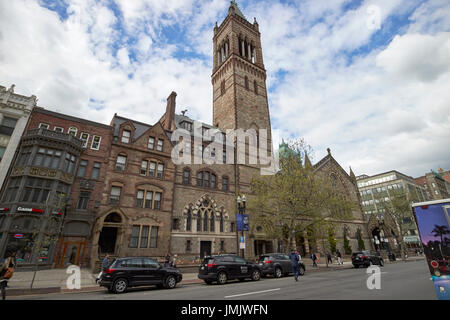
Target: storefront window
[(23, 244)]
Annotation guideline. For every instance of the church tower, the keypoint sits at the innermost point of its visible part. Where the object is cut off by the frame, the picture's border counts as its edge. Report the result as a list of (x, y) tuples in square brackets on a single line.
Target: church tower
[(239, 76)]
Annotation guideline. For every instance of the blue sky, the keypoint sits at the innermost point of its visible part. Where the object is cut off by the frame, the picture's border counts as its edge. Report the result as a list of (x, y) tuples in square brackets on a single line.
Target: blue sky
[(378, 97)]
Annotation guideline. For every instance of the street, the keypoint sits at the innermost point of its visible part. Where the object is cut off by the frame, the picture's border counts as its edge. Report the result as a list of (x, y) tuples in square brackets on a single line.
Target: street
[(399, 281)]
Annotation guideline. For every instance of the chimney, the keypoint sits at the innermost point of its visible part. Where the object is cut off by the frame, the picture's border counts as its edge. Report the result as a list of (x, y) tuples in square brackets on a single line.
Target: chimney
[(169, 117)]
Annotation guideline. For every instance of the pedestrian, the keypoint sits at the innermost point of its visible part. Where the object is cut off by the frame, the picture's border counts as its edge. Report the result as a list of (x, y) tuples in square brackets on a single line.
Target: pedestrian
[(294, 262), (173, 264), (329, 260), (339, 257), (314, 258), (7, 271), (167, 261), (105, 262)]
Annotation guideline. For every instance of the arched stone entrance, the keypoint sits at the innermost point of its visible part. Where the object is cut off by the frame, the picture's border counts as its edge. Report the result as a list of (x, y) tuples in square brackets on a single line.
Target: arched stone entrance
[(107, 240)]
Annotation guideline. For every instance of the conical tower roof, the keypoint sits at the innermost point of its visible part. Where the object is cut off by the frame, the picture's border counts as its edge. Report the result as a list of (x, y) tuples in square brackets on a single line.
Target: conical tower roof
[(235, 8)]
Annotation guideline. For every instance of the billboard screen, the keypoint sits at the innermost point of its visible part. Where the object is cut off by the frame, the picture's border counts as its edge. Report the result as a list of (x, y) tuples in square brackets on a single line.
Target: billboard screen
[(433, 221)]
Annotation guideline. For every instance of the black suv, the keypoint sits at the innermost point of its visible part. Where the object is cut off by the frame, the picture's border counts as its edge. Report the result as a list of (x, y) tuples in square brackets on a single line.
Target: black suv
[(138, 271), (222, 268), (366, 258), (278, 264)]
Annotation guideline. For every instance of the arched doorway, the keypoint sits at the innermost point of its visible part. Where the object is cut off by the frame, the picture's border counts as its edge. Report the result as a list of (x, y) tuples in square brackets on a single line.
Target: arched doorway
[(108, 236)]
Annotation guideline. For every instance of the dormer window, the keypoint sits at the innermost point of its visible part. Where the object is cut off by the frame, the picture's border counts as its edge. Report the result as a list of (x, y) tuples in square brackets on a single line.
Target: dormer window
[(187, 125), (126, 136), (160, 145)]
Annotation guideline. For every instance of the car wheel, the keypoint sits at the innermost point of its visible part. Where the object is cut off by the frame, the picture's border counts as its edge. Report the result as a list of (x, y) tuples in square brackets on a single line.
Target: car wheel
[(222, 278), (120, 286), (256, 275), (170, 282), (301, 271), (278, 273)]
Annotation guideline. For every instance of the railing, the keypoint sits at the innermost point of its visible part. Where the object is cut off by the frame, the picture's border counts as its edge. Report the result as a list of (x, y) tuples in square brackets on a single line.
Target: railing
[(55, 135)]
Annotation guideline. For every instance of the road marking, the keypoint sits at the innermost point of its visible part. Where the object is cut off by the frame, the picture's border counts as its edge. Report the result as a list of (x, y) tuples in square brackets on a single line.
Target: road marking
[(256, 292)]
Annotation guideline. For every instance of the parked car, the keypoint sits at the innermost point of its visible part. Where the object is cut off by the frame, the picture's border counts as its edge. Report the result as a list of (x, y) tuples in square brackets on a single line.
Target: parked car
[(278, 265), (222, 268), (129, 272), (366, 258)]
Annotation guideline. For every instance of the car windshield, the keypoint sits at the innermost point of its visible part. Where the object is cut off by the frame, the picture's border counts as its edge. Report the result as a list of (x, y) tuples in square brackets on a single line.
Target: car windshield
[(264, 258)]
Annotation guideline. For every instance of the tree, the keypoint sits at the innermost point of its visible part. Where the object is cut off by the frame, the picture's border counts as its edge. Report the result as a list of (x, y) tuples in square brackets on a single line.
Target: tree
[(361, 245), (347, 247), (297, 198), (440, 231), (398, 208)]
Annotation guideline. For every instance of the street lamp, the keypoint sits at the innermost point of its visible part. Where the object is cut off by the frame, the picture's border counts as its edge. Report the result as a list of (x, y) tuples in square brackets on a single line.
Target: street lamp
[(241, 206)]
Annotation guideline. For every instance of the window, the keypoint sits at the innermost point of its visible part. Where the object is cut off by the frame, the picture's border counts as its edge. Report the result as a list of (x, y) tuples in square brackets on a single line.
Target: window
[(59, 129), (120, 163), (149, 199), (82, 168), (69, 163), (246, 83), (114, 197), (144, 237), (144, 166), (154, 237), (151, 143), (152, 169), (157, 204), (36, 190), (221, 222), (96, 170), (188, 245), (84, 137), (160, 145), (160, 170), (83, 200), (199, 221), (73, 131), (187, 126), (232, 227), (140, 199), (43, 125), (222, 246), (96, 142), (135, 236), (189, 221), (212, 224), (13, 188), (23, 157), (126, 136), (7, 126), (186, 177), (206, 179), (205, 221), (175, 224)]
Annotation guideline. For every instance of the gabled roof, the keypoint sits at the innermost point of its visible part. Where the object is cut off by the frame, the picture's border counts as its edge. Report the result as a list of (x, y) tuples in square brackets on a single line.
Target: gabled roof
[(141, 128)]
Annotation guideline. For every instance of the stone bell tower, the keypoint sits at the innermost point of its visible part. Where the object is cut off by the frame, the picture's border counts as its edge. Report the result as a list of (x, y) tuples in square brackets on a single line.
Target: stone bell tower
[(239, 76)]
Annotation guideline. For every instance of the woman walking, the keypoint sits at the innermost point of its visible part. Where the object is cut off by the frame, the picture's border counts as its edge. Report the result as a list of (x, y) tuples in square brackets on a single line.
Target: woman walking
[(7, 271)]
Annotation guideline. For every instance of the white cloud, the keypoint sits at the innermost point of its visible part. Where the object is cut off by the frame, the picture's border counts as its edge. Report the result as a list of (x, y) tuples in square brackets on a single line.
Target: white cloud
[(385, 108)]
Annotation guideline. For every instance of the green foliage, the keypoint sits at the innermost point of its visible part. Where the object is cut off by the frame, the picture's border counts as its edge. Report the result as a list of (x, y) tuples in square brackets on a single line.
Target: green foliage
[(332, 241), (297, 198), (361, 245)]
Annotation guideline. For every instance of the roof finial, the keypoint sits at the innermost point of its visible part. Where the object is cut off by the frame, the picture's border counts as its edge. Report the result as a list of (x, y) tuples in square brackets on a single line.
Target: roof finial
[(329, 151)]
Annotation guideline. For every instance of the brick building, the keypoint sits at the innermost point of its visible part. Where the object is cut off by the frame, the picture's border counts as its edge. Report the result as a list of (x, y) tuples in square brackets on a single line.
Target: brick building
[(435, 185), (58, 173)]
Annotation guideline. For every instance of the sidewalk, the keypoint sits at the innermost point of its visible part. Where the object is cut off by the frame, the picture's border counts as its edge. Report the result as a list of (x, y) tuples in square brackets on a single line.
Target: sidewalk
[(55, 280)]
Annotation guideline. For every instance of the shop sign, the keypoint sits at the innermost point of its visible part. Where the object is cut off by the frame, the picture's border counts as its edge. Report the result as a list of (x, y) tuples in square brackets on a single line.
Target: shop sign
[(4, 209), (34, 210)]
